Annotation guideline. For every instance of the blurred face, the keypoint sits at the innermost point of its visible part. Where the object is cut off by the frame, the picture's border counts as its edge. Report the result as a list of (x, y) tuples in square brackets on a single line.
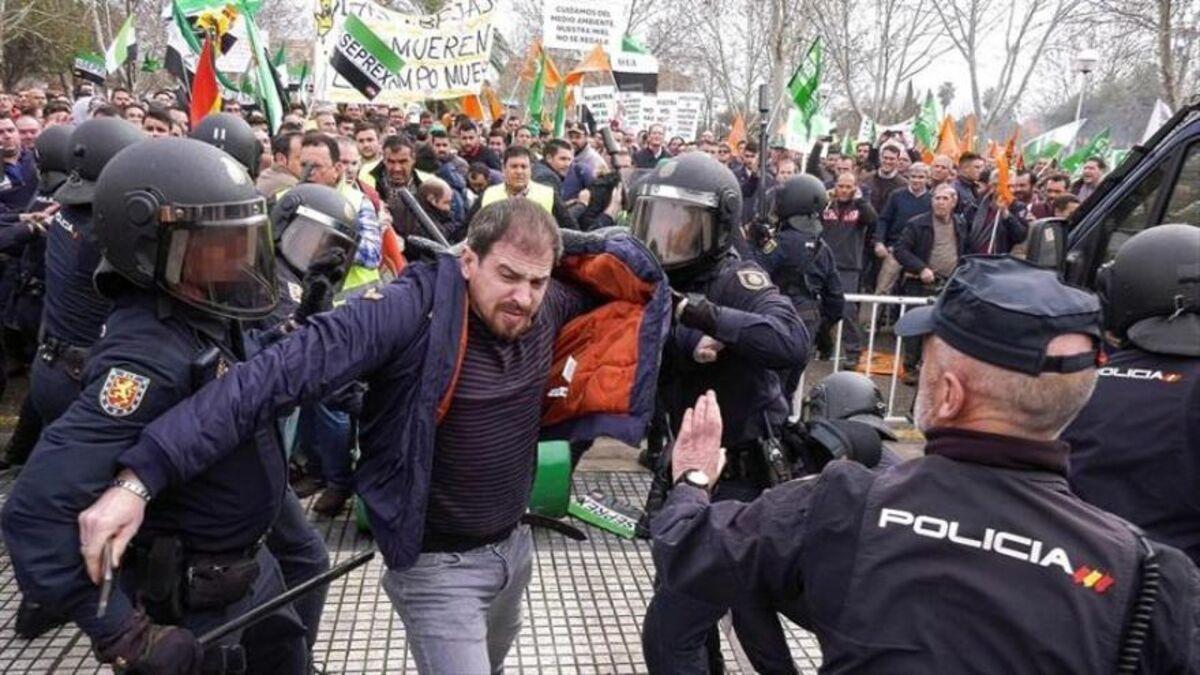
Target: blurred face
[(399, 165), (1022, 187), (178, 130), (845, 187), (6, 104), (654, 139), (1067, 210), (1055, 188), (941, 170), (426, 122), (442, 202), (918, 180), (135, 114), (264, 140), (577, 139), (888, 160), (1091, 173), (165, 98), (903, 161), (10, 142), (724, 153), (506, 287), (708, 136), (862, 152), (59, 117), (321, 169), (441, 147), (512, 123), (971, 169), (749, 158), (786, 170), (516, 173), (675, 146), (711, 150), (396, 117), (368, 143), (845, 165), (469, 139), (121, 99), (351, 162), (944, 200), (522, 137), (496, 143), (233, 107), (478, 182), (327, 124), (346, 128), (831, 161), (559, 161), (28, 129)]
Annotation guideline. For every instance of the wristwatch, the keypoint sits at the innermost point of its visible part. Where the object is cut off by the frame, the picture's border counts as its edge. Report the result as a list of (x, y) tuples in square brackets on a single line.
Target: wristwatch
[(132, 486), (696, 478)]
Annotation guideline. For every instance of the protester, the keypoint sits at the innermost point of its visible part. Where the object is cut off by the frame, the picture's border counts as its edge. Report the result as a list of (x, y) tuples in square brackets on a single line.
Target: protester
[(901, 208), (887, 178), (1091, 175), (967, 184), (1053, 186), (518, 169), (847, 224), (647, 157)]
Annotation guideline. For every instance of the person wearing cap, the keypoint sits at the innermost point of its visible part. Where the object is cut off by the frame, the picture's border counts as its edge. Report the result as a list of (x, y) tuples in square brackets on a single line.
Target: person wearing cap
[(1133, 447), (974, 558), (585, 166)]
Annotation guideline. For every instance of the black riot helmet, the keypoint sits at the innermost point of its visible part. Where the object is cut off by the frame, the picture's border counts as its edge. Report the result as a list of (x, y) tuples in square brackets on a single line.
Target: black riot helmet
[(311, 219), (802, 195), (183, 217), (232, 134), (53, 162), (89, 149), (685, 213), (1150, 293), (848, 396)]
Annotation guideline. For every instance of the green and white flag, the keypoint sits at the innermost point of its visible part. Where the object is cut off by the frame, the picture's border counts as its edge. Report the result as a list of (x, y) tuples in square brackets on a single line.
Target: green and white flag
[(802, 87), (925, 126), (123, 48), (800, 134), (266, 86), (867, 131), (1051, 144), (1158, 117), (363, 59), (1097, 147), (89, 66)]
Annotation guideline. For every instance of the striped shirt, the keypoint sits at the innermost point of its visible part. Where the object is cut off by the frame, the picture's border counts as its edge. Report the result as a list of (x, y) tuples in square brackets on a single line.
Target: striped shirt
[(486, 444)]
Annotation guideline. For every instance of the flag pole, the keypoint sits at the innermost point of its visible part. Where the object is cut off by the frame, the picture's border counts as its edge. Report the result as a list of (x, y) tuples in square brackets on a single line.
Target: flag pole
[(995, 226)]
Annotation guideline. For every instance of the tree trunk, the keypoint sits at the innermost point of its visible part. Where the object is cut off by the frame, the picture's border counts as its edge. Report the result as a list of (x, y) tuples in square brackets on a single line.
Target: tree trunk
[(1166, 60)]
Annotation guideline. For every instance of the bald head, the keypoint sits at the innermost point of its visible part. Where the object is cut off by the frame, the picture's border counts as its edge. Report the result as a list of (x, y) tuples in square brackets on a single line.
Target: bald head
[(958, 391)]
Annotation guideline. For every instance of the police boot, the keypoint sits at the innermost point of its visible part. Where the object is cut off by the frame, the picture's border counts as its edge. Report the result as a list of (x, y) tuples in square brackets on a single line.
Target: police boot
[(34, 619)]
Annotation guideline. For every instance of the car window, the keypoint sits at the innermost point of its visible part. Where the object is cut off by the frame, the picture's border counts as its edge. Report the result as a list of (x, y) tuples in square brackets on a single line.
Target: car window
[(1184, 205), (1132, 214)]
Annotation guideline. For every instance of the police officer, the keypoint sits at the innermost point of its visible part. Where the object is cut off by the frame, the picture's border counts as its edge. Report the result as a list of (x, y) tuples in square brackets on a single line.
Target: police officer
[(849, 400), (1133, 448), (231, 133), (800, 263), (187, 251), (73, 311), (734, 332), (973, 558)]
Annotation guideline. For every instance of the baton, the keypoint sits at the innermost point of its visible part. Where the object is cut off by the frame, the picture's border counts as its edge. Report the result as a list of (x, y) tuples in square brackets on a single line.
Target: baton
[(262, 611), (415, 207)]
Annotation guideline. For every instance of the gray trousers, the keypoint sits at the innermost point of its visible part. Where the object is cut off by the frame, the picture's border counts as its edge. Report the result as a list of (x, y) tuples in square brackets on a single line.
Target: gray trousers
[(462, 611), (851, 332)]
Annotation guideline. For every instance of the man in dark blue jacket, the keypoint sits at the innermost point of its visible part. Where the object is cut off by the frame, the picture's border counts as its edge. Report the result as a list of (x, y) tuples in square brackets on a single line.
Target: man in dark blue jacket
[(459, 357), (901, 207)]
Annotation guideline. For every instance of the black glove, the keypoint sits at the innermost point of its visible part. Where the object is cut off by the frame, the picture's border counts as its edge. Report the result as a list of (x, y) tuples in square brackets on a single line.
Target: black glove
[(697, 311), (151, 649), (759, 233), (324, 274)]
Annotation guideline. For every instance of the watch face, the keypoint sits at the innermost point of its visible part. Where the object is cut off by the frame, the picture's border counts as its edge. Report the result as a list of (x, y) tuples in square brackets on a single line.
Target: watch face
[(697, 478)]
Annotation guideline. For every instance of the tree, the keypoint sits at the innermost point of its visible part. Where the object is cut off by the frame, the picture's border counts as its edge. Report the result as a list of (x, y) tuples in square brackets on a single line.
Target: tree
[(1172, 27), (945, 94), (39, 38)]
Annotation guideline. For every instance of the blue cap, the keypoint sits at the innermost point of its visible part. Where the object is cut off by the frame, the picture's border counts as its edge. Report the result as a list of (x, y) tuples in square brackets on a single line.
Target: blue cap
[(1005, 311)]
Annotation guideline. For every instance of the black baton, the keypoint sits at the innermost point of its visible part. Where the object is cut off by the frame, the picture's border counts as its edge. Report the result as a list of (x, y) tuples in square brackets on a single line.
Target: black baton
[(415, 207), (259, 613)]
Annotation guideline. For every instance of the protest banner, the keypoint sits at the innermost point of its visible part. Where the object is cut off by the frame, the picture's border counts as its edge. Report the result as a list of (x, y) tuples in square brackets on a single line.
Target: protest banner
[(569, 24), (634, 71), (602, 101), (446, 54)]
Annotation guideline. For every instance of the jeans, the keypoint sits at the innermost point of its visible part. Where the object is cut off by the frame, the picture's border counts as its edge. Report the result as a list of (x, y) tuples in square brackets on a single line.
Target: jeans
[(851, 332), (323, 437), (462, 611)]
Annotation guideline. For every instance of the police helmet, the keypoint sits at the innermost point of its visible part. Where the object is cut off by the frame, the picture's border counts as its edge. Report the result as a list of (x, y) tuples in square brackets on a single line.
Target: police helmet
[(184, 217), (1150, 293), (311, 219), (685, 212), (52, 159), (232, 134), (848, 396), (801, 195), (89, 149)]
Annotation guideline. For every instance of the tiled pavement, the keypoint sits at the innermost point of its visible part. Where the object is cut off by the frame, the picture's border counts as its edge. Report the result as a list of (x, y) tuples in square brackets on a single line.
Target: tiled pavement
[(583, 609)]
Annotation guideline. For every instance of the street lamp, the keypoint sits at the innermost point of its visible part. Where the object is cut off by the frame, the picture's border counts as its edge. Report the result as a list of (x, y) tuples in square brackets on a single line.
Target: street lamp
[(1084, 63)]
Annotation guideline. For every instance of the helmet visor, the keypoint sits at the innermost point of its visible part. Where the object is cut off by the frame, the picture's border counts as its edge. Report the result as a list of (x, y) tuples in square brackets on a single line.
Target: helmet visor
[(676, 232), (311, 234), (219, 258)]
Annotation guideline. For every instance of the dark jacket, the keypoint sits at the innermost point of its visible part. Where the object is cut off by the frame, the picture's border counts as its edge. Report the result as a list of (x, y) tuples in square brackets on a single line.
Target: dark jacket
[(484, 155), (542, 173), (804, 269), (407, 343), (18, 184), (901, 207), (967, 199), (879, 189), (646, 159), (916, 242), (1009, 230), (845, 227), (976, 551)]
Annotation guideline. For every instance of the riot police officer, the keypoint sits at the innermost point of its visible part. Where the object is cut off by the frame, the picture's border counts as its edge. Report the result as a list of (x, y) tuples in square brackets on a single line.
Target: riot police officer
[(734, 332), (234, 135), (800, 263), (1133, 448), (187, 252)]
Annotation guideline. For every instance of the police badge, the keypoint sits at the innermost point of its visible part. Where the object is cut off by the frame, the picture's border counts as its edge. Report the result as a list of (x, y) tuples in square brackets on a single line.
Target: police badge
[(122, 392)]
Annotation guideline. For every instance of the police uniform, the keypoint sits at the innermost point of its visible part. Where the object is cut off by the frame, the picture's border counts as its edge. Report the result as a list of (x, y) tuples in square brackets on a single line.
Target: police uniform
[(974, 558)]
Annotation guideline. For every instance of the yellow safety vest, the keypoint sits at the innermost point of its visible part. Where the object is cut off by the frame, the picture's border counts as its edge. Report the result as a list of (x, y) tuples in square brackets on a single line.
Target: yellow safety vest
[(358, 276), (540, 194), (364, 172)]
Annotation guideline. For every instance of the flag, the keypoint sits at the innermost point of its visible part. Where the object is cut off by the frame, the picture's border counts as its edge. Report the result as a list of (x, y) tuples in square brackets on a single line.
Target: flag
[(205, 95), (1004, 193), (151, 65), (802, 87), (737, 133), (1097, 147), (269, 88), (495, 109), (181, 44), (847, 145), (472, 108), (1051, 144), (947, 141), (1158, 117), (595, 62), (364, 59), (867, 131), (89, 66), (123, 48), (533, 107), (560, 111), (968, 139), (925, 125), (1115, 157), (1010, 149), (538, 62), (799, 134), (630, 44)]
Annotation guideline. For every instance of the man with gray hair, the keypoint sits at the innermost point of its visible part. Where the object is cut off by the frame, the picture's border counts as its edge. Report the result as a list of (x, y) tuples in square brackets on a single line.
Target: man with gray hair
[(976, 557)]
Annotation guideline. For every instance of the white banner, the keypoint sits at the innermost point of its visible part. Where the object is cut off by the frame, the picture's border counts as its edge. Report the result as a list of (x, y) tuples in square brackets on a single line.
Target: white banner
[(677, 111), (569, 24), (602, 101), (631, 110), (632, 62), (446, 54)]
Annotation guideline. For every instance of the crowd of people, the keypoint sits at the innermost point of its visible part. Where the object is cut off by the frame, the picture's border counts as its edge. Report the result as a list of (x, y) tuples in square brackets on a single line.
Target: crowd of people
[(398, 306)]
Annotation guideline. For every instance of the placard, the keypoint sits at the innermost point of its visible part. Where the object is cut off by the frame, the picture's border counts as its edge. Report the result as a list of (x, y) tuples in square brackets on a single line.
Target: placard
[(578, 26)]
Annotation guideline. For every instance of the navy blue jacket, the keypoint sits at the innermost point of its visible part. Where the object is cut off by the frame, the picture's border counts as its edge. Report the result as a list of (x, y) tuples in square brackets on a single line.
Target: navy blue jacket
[(803, 268), (1135, 448), (74, 311), (974, 558), (902, 206), (405, 342), (145, 364), (18, 184)]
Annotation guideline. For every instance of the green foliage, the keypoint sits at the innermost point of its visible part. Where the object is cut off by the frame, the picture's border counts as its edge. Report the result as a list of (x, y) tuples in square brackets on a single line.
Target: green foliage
[(43, 43)]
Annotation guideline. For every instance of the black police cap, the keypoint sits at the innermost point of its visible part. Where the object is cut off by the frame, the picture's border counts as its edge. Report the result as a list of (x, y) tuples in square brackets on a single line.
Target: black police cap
[(1005, 311)]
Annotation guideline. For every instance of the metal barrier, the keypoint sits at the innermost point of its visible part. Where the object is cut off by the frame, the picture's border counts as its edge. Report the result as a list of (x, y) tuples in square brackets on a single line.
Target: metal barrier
[(875, 302)]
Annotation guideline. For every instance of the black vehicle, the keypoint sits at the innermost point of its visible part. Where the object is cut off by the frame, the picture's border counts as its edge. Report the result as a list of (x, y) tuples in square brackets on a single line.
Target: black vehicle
[(1159, 182)]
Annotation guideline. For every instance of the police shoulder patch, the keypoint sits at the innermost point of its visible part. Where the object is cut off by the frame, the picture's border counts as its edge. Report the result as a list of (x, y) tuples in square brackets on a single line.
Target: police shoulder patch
[(295, 291), (753, 280), (372, 294), (123, 392)]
